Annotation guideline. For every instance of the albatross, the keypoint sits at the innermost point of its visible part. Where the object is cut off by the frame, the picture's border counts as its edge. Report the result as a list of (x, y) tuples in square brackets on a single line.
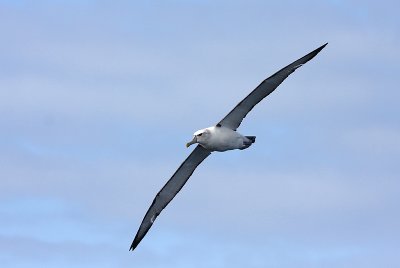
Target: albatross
[(220, 137)]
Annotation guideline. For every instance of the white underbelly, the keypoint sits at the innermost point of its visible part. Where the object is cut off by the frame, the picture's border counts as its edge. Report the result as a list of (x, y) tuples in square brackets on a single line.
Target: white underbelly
[(223, 139)]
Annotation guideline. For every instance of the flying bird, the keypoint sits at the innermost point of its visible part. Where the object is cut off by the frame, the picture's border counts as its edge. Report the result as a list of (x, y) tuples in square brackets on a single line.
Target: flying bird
[(220, 137)]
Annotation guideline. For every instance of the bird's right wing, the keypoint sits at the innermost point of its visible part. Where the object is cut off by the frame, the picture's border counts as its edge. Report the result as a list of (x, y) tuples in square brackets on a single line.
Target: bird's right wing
[(235, 117), (170, 189)]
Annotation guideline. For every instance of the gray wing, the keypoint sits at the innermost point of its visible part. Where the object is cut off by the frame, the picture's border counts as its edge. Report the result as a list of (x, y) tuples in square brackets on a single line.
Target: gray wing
[(170, 189), (235, 117)]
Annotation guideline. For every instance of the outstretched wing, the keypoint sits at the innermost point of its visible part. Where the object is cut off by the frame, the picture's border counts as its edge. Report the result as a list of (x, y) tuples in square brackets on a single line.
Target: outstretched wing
[(170, 189), (235, 117)]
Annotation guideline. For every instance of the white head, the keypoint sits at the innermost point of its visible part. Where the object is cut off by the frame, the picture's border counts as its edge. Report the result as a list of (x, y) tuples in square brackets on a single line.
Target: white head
[(200, 136)]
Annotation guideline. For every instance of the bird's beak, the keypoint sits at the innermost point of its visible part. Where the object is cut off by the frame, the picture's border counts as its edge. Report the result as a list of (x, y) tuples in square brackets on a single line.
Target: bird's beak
[(191, 142)]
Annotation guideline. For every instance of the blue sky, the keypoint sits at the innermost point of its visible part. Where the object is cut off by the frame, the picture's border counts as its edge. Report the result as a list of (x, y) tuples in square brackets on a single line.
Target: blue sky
[(98, 98)]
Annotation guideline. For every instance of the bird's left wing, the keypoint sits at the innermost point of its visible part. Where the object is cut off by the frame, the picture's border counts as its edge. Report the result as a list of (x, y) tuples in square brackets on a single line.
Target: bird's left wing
[(235, 117), (170, 189)]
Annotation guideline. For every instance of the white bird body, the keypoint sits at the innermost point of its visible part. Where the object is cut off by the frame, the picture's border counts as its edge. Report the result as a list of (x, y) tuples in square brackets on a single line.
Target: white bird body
[(219, 138)]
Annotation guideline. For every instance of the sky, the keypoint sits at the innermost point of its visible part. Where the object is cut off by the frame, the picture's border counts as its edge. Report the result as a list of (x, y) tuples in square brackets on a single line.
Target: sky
[(98, 99)]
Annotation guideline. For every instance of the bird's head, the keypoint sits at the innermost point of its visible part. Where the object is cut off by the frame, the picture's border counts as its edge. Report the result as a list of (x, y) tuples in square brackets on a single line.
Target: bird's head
[(200, 136)]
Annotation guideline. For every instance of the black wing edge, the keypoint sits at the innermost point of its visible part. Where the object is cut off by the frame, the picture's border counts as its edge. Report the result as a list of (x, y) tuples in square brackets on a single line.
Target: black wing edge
[(296, 64), (303, 59), (138, 237)]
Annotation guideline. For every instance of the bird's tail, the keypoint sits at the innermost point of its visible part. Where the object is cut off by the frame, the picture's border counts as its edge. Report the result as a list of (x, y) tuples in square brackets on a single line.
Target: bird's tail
[(248, 142), (251, 138)]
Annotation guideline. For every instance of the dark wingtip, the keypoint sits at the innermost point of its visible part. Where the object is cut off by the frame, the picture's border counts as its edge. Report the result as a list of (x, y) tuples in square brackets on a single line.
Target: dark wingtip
[(315, 52), (310, 55), (321, 47), (134, 245), (135, 242)]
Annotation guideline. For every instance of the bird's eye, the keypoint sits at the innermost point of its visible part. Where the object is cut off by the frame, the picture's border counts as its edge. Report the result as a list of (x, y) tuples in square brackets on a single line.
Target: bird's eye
[(200, 134)]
